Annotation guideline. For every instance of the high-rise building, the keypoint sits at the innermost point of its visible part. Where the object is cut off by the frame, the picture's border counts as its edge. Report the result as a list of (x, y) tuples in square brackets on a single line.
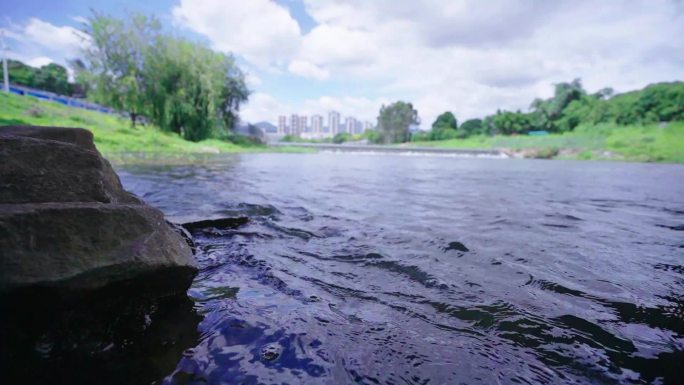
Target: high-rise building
[(303, 123), (350, 124), (368, 125), (317, 124), (294, 125), (333, 122), (282, 125)]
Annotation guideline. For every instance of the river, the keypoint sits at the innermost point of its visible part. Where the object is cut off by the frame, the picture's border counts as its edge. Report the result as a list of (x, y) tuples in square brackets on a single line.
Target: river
[(391, 269)]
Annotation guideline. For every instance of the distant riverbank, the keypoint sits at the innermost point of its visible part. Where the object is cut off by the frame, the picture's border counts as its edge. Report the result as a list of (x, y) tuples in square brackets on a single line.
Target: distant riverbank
[(661, 143)]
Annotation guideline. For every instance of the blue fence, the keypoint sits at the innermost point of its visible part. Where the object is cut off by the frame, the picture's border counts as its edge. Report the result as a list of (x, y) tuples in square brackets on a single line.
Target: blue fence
[(66, 100)]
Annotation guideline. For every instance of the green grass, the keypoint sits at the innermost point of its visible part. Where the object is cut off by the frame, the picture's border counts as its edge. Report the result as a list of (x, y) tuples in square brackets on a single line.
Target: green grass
[(113, 134), (649, 143)]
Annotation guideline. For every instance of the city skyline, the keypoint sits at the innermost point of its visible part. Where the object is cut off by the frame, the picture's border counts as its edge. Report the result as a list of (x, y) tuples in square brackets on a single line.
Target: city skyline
[(314, 127)]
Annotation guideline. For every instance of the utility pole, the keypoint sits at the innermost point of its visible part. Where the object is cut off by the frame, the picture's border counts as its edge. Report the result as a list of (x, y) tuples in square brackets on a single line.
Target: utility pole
[(5, 73)]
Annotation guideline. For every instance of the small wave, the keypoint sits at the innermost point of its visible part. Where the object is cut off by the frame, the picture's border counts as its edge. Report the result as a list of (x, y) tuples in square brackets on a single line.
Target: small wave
[(250, 210), (291, 231), (672, 227), (412, 272), (564, 217)]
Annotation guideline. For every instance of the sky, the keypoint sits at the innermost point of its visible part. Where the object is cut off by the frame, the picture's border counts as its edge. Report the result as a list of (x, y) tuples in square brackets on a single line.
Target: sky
[(470, 57)]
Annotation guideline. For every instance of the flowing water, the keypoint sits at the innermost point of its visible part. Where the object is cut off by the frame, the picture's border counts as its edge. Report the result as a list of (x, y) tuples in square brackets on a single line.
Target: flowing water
[(390, 269)]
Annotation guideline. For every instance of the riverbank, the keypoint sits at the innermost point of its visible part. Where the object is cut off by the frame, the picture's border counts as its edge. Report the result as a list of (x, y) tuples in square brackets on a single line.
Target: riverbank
[(147, 144), (662, 143), (113, 134)]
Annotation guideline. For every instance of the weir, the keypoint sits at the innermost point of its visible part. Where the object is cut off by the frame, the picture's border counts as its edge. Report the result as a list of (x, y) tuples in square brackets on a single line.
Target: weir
[(394, 149)]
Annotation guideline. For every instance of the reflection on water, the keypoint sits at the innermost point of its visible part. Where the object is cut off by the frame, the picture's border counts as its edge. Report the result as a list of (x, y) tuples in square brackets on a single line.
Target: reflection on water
[(388, 269)]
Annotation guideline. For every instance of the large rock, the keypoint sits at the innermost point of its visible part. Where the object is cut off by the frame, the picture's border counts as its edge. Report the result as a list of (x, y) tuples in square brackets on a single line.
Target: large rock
[(92, 280), (66, 221)]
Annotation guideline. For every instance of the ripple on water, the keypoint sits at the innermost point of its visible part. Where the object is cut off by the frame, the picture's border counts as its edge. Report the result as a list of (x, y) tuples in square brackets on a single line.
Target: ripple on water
[(342, 277)]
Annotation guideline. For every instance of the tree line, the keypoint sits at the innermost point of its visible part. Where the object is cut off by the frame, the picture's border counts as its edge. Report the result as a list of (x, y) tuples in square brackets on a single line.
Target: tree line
[(51, 77), (570, 106)]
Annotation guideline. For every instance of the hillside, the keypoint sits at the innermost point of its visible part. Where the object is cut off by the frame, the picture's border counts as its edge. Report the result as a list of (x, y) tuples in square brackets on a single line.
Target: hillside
[(113, 134)]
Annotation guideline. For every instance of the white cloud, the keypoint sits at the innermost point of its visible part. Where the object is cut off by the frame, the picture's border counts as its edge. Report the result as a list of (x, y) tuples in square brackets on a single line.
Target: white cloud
[(336, 46), (38, 42), (467, 56), (252, 80), (263, 106), (64, 38), (260, 30), (39, 61), (361, 108), (473, 57), (307, 70), (80, 19)]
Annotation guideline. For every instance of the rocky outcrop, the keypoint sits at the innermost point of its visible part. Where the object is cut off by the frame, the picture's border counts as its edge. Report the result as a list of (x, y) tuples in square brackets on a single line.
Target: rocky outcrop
[(66, 221)]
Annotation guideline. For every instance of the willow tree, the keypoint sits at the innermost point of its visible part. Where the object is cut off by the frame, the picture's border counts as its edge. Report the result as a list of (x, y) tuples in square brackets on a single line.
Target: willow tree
[(395, 121), (193, 90), (115, 56), (180, 85)]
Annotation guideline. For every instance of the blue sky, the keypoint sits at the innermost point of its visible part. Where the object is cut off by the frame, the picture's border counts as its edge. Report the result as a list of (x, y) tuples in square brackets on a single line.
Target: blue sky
[(466, 56)]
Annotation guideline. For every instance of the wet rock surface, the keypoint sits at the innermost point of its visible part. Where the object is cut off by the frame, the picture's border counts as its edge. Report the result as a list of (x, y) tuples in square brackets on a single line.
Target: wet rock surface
[(219, 223), (66, 221), (93, 281)]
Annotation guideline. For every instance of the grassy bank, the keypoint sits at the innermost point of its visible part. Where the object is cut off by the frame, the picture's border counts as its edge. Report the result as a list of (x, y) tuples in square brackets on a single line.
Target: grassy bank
[(113, 134), (650, 143)]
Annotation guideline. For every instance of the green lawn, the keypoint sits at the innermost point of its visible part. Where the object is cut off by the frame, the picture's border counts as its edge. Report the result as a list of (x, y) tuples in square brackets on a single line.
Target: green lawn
[(650, 143), (113, 134)]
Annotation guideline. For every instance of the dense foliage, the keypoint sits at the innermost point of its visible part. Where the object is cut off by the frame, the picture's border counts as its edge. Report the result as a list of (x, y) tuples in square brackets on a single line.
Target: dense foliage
[(341, 137), (395, 121), (471, 127), (569, 107), (52, 77), (444, 127), (181, 86)]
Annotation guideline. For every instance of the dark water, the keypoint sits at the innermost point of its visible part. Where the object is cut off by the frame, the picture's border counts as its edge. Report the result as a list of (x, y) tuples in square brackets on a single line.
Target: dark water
[(387, 269)]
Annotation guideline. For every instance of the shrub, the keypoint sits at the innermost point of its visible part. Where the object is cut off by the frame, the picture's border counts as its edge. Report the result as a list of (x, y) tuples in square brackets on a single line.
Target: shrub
[(341, 138)]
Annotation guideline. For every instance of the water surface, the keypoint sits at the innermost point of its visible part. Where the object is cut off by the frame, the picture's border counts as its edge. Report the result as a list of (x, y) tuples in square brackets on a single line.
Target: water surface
[(390, 269)]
